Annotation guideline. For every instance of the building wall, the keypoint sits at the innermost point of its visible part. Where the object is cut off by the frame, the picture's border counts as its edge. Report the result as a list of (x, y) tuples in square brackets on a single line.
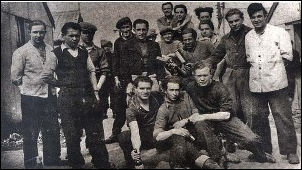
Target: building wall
[(10, 95)]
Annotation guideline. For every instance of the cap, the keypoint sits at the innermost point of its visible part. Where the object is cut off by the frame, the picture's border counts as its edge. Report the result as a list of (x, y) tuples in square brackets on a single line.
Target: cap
[(166, 29), (151, 33), (106, 43), (88, 26), (123, 21)]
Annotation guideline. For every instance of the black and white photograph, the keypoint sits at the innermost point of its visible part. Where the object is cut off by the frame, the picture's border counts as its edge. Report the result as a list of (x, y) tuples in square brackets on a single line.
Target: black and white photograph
[(150, 85)]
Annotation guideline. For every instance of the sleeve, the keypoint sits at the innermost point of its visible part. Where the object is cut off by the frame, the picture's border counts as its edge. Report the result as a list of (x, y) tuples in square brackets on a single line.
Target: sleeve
[(130, 115), (161, 121), (160, 69), (192, 105), (247, 47), (285, 45), (104, 64), (49, 70), (116, 59), (218, 53), (17, 67), (224, 100), (90, 66)]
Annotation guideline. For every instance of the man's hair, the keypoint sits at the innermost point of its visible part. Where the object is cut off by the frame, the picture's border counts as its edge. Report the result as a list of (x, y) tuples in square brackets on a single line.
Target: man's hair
[(209, 22), (167, 3), (255, 7), (72, 25), (190, 30), (206, 9), (233, 11), (171, 79), (202, 65), (140, 21), (36, 22), (181, 6), (142, 79)]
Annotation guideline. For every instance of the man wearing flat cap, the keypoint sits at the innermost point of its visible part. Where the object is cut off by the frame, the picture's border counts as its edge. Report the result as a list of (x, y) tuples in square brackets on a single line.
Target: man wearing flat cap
[(100, 62), (122, 76)]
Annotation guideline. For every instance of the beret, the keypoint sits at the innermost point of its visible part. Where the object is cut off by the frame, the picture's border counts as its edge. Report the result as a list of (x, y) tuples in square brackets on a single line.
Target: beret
[(106, 43), (166, 29), (123, 21), (88, 26)]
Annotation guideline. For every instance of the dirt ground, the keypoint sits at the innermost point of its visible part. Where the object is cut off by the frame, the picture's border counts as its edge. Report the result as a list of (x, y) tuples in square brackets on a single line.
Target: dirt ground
[(14, 159)]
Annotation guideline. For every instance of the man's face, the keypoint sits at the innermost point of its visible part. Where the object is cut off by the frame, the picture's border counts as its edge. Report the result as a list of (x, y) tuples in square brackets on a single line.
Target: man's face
[(126, 30), (143, 90), (188, 40), (87, 36), (180, 14), (37, 34), (203, 16), (141, 31), (235, 22), (168, 37), (205, 30), (203, 77), (258, 19), (167, 9), (72, 37), (173, 91)]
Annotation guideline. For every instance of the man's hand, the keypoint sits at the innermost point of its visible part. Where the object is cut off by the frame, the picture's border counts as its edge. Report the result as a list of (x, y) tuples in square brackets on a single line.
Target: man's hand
[(180, 124), (117, 82), (189, 66), (135, 154), (181, 132)]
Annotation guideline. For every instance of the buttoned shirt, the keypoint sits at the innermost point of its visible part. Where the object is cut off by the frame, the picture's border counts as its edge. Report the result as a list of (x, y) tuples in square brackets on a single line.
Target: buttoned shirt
[(265, 53), (232, 49), (173, 111), (26, 69), (201, 51)]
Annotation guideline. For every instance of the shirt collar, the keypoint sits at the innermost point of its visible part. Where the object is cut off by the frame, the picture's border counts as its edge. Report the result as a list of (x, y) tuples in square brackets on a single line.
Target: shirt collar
[(65, 46)]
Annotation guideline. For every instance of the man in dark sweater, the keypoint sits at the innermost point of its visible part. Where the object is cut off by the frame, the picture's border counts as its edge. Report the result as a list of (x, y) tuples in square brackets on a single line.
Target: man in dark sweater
[(122, 76), (215, 107), (78, 97)]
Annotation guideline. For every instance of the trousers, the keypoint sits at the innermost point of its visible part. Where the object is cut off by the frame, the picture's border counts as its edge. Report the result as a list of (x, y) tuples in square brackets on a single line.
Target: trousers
[(40, 114)]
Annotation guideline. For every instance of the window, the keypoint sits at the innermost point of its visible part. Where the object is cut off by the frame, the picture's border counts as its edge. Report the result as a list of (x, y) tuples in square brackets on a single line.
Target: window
[(23, 33)]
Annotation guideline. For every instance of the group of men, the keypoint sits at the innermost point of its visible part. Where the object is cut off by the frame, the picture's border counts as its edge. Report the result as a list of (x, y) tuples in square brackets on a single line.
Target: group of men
[(183, 116)]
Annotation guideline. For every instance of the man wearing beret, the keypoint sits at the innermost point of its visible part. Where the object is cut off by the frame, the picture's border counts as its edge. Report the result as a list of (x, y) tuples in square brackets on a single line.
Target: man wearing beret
[(122, 77)]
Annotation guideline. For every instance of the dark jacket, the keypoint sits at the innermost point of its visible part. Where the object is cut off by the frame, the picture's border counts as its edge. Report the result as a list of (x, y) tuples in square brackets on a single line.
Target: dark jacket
[(130, 60)]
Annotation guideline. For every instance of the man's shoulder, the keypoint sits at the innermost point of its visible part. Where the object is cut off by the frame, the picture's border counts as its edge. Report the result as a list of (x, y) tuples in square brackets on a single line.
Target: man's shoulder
[(23, 48), (190, 86)]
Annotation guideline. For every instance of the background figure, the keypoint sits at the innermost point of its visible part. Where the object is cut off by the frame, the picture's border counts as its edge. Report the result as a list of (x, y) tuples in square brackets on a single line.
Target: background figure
[(152, 35), (38, 100), (109, 83)]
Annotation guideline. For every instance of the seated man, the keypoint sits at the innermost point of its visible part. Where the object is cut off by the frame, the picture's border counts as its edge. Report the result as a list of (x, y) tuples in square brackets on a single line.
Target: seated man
[(213, 100), (173, 131), (141, 115)]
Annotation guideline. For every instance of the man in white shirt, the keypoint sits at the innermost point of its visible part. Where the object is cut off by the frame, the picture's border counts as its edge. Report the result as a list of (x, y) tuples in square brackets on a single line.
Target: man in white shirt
[(268, 48)]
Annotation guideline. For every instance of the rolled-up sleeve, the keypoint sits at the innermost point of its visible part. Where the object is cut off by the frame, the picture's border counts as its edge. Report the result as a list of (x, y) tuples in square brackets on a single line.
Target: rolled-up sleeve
[(90, 66), (17, 67)]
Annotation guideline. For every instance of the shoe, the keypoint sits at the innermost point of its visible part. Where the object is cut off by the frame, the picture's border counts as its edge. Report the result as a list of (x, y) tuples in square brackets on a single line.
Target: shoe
[(210, 164), (293, 158), (267, 158), (111, 139)]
